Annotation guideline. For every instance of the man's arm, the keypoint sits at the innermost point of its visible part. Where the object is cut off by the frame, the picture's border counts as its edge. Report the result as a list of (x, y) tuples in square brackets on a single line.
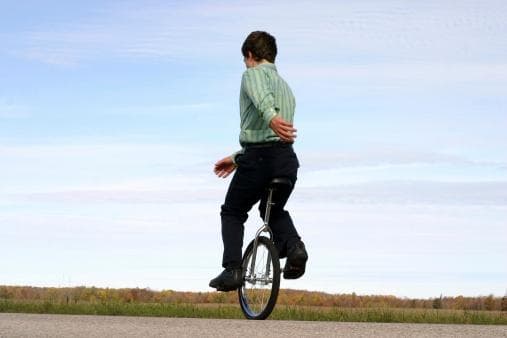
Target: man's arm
[(283, 129), (256, 86), (234, 155), (224, 167)]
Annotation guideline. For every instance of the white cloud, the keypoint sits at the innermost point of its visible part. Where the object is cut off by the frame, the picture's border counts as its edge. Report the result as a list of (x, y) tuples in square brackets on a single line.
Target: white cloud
[(211, 190), (362, 237), (338, 168), (366, 248), (404, 74), (189, 192), (409, 193), (382, 156), (430, 31), (159, 109), (153, 173), (46, 168)]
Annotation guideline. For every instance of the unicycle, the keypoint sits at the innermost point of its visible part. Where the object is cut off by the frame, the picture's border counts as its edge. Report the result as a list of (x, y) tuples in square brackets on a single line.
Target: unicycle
[(261, 265)]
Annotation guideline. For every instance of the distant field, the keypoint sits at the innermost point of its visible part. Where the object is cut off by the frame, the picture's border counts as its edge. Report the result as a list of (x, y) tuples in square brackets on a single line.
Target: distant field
[(281, 312), (291, 305)]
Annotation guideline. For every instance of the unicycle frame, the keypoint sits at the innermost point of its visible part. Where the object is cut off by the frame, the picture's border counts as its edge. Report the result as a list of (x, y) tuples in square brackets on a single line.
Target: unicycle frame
[(264, 276), (264, 228), (259, 291)]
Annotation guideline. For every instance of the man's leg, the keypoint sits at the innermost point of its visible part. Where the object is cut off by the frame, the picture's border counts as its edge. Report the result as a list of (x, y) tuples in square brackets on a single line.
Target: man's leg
[(280, 222), (286, 238), (289, 244), (244, 191)]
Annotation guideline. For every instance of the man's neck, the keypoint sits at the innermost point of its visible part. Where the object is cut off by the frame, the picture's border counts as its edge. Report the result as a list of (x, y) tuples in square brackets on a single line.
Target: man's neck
[(263, 61)]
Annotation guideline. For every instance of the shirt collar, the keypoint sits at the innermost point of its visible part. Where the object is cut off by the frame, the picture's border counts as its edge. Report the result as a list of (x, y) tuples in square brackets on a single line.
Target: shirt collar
[(268, 65)]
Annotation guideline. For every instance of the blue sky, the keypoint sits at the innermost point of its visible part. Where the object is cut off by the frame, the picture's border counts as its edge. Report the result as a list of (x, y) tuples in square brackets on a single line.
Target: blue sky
[(112, 114)]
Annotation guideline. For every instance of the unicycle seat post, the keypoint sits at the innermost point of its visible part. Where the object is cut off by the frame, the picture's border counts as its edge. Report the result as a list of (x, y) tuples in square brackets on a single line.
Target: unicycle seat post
[(278, 183), (264, 228), (269, 203)]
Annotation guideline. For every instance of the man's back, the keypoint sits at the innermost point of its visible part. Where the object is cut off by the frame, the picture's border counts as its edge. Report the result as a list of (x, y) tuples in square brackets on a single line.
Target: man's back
[(261, 89)]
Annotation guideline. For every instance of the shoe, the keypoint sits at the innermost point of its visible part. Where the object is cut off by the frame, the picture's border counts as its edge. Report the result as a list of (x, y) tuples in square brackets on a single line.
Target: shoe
[(296, 261), (229, 280)]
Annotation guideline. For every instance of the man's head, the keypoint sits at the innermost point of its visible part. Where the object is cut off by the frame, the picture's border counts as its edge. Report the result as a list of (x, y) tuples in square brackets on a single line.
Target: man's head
[(259, 46)]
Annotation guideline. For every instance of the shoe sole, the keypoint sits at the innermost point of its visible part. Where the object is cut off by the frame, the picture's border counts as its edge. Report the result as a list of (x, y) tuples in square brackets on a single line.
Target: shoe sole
[(293, 274), (298, 267), (226, 287)]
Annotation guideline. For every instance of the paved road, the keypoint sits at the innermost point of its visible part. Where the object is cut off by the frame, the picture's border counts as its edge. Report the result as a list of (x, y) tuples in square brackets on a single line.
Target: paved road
[(35, 325)]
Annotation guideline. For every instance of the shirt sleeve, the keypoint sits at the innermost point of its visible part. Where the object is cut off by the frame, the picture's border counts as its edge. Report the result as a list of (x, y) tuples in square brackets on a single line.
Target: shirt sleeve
[(233, 156), (257, 87)]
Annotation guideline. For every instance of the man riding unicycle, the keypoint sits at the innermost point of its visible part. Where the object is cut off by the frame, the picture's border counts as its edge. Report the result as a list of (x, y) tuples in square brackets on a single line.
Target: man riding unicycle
[(267, 135)]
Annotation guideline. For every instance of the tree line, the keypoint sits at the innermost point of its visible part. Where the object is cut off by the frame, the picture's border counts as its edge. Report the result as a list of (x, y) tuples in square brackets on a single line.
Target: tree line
[(286, 297)]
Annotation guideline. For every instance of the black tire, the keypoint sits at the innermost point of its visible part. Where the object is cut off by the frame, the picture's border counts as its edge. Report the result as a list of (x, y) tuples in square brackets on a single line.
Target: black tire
[(258, 295)]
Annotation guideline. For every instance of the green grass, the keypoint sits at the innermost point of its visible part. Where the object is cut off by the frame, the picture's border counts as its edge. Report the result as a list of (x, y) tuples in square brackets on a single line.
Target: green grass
[(124, 309), (385, 315), (391, 315)]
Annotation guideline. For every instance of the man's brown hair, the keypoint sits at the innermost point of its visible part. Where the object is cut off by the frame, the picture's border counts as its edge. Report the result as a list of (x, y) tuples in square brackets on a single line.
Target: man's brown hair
[(262, 45)]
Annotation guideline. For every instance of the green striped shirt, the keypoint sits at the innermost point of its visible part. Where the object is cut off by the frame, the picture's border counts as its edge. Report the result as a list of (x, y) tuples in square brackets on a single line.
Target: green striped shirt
[(263, 95)]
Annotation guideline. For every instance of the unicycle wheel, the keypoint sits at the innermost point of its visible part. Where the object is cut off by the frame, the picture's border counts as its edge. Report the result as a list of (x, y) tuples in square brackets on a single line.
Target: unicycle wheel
[(258, 294)]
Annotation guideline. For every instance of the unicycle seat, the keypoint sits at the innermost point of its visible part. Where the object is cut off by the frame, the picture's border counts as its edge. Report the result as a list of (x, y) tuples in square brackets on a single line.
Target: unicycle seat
[(280, 183)]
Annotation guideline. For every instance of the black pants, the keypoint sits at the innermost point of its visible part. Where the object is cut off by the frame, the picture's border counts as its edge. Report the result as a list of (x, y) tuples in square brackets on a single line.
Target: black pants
[(256, 168)]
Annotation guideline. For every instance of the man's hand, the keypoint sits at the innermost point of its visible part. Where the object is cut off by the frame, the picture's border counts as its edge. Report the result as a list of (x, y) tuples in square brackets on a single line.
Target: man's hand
[(224, 167), (283, 129)]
